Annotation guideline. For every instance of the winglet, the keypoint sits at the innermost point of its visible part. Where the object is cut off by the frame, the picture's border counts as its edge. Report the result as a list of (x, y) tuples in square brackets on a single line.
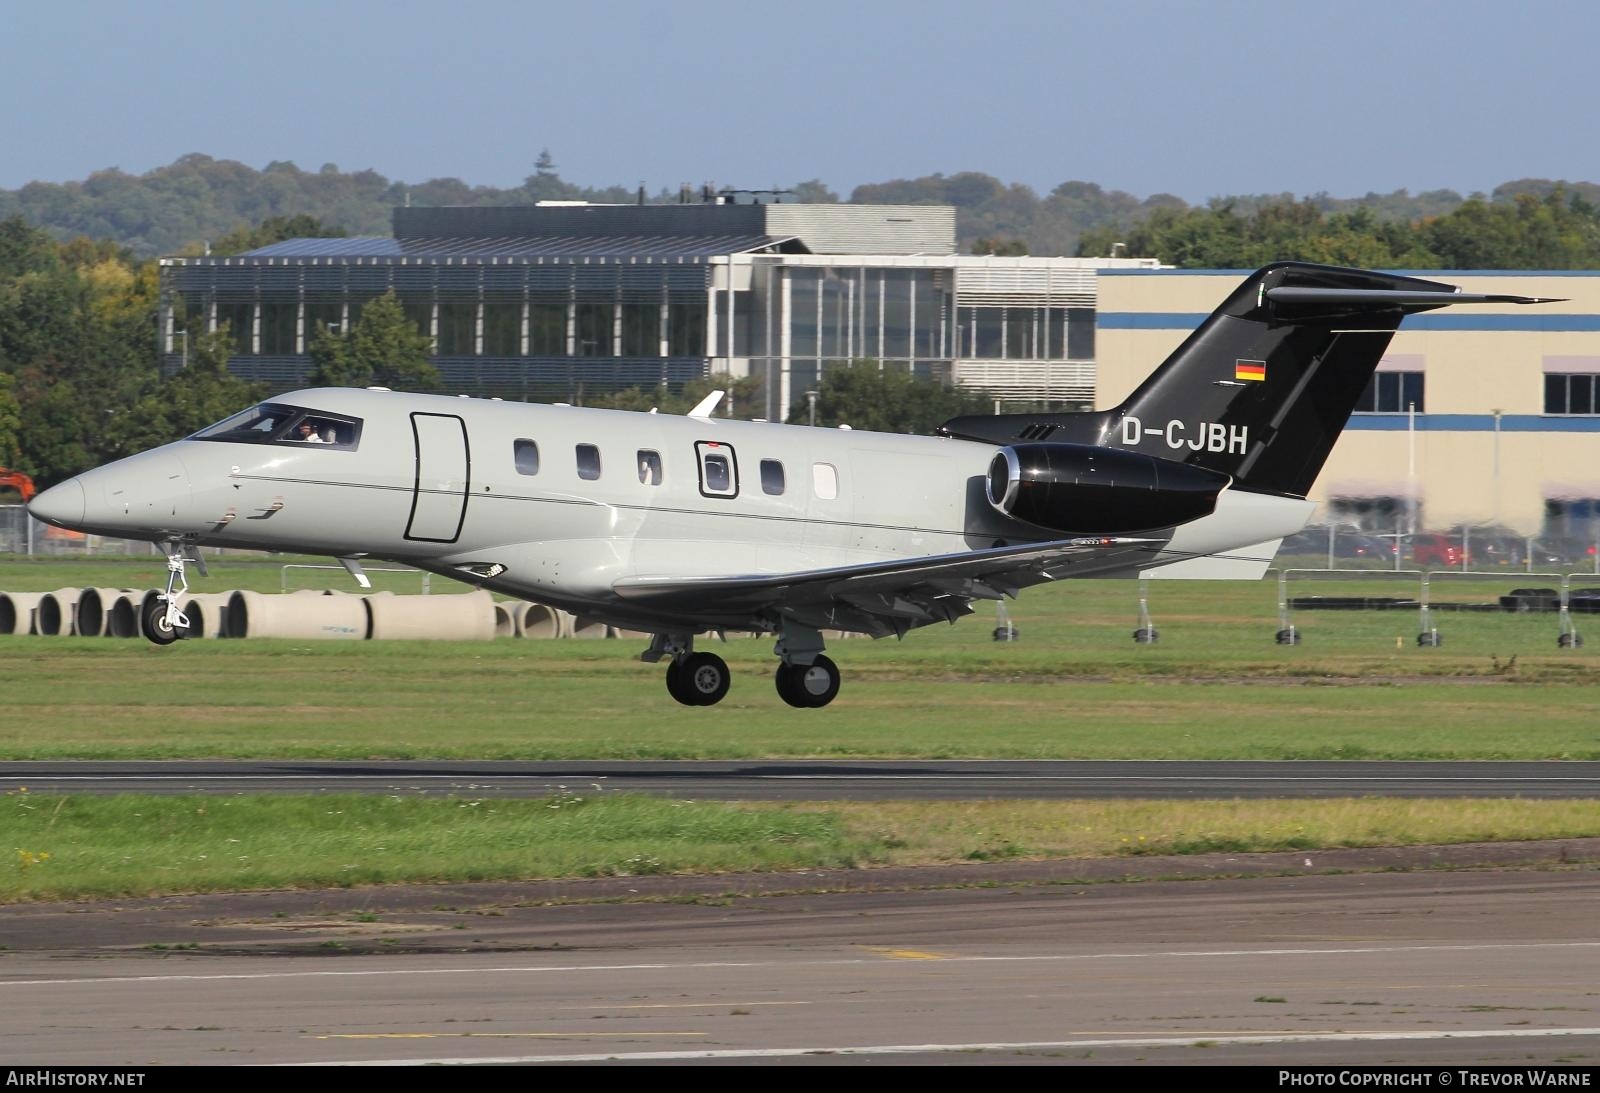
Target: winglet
[(706, 405)]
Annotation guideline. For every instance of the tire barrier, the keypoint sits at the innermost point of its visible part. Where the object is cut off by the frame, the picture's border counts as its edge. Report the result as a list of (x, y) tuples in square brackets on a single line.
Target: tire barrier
[(18, 611), (207, 613), (335, 616), (467, 616), (1531, 599), (54, 616), (93, 609)]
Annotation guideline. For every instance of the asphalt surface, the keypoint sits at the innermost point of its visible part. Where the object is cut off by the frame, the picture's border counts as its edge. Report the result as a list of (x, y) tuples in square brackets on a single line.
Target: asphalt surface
[(971, 965), (1461, 955), (776, 780)]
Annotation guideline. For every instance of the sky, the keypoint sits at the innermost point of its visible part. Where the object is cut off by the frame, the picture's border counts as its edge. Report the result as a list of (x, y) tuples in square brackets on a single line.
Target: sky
[(1193, 99)]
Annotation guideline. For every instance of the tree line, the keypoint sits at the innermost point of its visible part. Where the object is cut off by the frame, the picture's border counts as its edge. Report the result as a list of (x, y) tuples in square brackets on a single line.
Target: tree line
[(198, 201), (81, 384)]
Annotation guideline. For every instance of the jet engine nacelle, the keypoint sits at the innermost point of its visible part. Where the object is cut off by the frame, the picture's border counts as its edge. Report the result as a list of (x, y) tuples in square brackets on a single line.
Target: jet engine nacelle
[(1082, 488)]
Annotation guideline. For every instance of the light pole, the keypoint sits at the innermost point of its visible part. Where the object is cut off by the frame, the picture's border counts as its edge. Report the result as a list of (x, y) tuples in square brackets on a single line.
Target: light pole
[(811, 397), (1496, 498), (183, 345)]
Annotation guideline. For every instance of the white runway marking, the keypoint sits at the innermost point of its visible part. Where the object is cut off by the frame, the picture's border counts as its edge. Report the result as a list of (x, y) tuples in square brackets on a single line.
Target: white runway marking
[(917, 1049)]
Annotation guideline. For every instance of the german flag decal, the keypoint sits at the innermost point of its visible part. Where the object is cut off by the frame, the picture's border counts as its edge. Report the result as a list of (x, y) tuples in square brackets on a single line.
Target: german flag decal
[(1250, 370)]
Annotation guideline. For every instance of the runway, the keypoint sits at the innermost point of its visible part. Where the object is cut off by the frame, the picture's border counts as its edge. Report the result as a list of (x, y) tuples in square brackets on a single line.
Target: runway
[(1457, 968), (1458, 962), (817, 780)]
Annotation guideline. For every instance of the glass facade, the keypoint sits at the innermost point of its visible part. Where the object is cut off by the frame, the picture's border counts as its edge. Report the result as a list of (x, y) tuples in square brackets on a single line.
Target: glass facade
[(554, 329)]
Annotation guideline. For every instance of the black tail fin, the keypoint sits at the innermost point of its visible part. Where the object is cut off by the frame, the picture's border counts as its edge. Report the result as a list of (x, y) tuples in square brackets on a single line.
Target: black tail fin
[(1263, 388)]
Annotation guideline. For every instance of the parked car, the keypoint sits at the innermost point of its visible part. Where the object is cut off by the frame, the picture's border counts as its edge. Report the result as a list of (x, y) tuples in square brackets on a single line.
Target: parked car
[(1490, 546), (1436, 550), (1347, 543), (1567, 551)]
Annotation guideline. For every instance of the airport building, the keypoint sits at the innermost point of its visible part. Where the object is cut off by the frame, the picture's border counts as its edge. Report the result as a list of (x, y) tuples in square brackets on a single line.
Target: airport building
[(1488, 415), (551, 302)]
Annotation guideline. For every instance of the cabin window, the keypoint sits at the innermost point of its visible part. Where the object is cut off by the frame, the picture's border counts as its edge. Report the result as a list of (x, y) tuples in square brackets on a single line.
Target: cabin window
[(278, 423), (719, 469), (649, 467), (588, 462), (825, 481), (526, 453), (772, 477)]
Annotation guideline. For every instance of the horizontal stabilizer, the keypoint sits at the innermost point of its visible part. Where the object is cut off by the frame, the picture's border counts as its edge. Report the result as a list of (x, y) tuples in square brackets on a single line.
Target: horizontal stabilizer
[(1294, 294)]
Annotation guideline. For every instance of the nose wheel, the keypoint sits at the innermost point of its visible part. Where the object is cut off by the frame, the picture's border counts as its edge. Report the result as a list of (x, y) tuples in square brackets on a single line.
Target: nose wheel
[(808, 686), (162, 623), (159, 625), (698, 679)]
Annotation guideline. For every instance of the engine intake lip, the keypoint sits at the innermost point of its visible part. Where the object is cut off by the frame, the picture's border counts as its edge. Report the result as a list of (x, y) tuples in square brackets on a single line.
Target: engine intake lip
[(1004, 479)]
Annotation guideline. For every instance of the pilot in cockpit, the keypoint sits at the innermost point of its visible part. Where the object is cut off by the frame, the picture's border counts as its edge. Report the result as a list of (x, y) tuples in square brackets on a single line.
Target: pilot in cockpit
[(306, 432)]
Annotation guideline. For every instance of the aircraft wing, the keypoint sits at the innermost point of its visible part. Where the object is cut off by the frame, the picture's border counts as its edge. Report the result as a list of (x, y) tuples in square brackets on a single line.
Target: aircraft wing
[(882, 598)]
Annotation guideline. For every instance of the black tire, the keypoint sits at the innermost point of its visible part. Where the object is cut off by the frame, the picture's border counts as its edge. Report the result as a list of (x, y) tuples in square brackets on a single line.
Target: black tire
[(676, 683), (809, 686), (153, 624), (704, 678), (783, 679)]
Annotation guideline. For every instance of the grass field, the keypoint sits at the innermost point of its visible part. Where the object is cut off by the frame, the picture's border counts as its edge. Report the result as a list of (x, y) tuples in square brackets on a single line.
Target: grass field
[(76, 847), (1076, 686)]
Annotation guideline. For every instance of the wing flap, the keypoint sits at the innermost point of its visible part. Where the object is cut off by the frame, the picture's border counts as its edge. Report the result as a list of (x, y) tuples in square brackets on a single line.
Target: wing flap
[(888, 597)]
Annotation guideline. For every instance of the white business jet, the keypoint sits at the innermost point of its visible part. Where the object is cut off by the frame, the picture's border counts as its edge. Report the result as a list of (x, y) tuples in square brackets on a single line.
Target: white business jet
[(683, 526)]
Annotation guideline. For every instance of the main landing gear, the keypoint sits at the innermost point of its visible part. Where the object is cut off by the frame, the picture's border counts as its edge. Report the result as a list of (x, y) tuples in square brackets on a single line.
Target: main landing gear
[(162, 622), (805, 678)]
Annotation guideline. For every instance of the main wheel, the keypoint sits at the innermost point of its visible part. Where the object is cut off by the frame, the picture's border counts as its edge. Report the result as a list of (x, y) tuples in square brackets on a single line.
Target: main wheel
[(808, 686), (155, 626), (677, 685), (702, 679)]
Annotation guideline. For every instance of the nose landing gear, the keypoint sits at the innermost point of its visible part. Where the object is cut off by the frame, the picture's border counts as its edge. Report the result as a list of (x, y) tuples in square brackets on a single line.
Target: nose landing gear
[(162, 623)]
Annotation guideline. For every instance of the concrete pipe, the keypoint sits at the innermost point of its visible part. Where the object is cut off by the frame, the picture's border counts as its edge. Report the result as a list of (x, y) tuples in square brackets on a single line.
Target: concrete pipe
[(582, 627), (505, 621), (94, 605), (54, 616), (541, 621), (207, 613), (18, 611), (297, 615), (468, 616), (122, 617)]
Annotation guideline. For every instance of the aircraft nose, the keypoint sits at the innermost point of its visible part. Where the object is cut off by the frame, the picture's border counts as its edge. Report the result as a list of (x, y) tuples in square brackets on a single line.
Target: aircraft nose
[(61, 505)]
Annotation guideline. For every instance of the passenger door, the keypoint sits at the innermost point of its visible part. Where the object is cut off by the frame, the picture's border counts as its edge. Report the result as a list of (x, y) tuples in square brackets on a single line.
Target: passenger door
[(444, 470)]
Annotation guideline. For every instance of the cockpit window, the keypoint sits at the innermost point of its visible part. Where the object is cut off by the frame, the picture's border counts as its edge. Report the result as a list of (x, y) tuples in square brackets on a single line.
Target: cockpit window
[(279, 423)]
